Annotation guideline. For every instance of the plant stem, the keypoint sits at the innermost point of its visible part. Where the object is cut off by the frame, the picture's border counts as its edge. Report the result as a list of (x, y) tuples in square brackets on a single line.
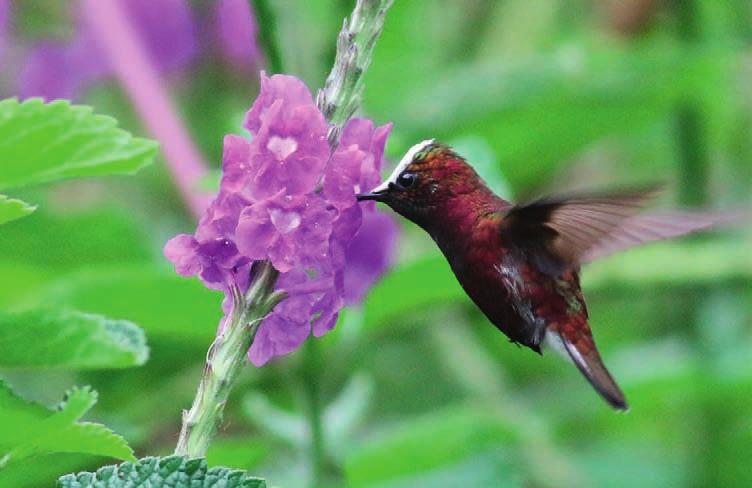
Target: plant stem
[(267, 23), (343, 88), (311, 376), (690, 134), (225, 359)]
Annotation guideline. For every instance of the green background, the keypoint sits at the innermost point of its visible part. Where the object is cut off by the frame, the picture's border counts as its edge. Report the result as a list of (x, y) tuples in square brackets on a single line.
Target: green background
[(417, 388)]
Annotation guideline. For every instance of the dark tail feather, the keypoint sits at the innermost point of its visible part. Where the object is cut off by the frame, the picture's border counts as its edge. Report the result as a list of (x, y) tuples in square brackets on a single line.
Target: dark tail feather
[(592, 367)]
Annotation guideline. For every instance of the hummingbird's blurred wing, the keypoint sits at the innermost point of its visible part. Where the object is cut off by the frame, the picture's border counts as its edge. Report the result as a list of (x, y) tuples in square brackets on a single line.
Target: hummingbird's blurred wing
[(557, 232), (561, 233), (644, 228)]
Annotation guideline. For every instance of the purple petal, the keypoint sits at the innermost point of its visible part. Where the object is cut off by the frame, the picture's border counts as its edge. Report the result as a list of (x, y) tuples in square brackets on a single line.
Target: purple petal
[(369, 254), (255, 232), (328, 307), (278, 87), (277, 336), (236, 162), (288, 326), (182, 251), (343, 175)]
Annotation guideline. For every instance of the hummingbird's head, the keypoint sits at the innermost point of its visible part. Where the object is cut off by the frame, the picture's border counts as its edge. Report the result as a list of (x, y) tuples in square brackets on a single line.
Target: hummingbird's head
[(428, 176)]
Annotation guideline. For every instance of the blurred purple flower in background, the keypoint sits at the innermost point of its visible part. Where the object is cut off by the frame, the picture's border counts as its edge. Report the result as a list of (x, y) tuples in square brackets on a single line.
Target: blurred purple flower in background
[(4, 24), (170, 35), (286, 197), (168, 29), (235, 32), (54, 70)]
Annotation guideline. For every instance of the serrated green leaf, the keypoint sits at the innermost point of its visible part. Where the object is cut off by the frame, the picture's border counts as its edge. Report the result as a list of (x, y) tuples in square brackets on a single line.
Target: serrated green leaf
[(172, 471), (29, 429), (55, 338), (41, 142), (12, 209)]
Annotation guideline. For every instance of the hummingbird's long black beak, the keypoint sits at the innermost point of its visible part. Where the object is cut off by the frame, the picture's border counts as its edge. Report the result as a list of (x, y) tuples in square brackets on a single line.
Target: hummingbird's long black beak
[(375, 196)]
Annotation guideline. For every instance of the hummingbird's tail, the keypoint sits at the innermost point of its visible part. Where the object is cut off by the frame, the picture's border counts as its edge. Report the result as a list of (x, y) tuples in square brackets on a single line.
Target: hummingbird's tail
[(583, 353)]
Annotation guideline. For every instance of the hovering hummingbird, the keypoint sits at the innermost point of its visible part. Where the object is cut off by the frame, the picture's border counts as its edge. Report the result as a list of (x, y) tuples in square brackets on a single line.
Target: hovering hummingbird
[(520, 263)]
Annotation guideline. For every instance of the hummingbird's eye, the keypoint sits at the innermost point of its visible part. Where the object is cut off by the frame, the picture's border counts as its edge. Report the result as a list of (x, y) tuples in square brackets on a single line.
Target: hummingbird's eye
[(406, 179)]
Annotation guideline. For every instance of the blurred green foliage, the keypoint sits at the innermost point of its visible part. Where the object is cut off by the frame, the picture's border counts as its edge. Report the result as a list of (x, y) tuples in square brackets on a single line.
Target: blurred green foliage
[(418, 388)]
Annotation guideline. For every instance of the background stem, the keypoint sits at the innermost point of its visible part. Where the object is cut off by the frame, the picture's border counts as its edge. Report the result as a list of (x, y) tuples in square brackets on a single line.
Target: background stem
[(311, 384), (267, 23), (690, 134)]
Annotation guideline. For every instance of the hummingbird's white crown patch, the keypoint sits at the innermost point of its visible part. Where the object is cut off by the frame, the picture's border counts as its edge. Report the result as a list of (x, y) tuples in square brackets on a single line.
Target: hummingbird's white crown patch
[(404, 162)]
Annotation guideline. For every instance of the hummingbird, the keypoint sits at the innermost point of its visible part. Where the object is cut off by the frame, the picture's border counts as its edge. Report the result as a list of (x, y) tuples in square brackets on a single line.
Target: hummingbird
[(520, 263)]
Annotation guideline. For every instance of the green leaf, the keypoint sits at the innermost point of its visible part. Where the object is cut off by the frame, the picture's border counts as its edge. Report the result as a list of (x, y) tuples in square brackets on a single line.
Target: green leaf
[(12, 209), (57, 243), (29, 429), (25, 280), (50, 338), (437, 439), (41, 142), (493, 469), (163, 303), (238, 452), (173, 472), (387, 298)]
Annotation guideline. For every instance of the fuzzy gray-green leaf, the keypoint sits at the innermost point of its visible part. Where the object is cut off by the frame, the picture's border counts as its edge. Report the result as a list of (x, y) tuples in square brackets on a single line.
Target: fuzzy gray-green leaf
[(172, 471)]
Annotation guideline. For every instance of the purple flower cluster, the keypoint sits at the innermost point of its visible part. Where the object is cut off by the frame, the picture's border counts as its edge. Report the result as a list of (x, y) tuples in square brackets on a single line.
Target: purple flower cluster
[(287, 197), (171, 34)]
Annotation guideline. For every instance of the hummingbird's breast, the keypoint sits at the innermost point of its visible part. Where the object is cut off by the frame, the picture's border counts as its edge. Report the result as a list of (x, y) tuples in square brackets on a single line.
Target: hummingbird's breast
[(492, 274), (512, 293)]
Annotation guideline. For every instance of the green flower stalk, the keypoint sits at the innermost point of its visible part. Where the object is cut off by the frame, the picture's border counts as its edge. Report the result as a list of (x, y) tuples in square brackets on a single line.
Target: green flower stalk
[(278, 233), (225, 359), (343, 89)]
